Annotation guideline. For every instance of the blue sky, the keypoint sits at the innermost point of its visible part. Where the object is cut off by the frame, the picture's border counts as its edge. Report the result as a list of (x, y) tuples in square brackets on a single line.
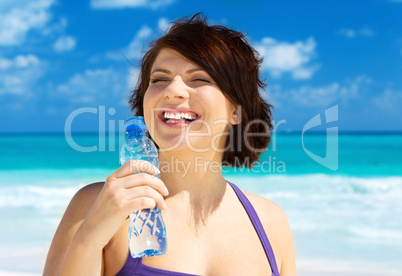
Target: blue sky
[(59, 56)]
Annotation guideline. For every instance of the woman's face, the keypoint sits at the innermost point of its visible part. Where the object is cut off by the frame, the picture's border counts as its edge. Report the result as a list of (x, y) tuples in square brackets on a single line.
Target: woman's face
[(184, 109)]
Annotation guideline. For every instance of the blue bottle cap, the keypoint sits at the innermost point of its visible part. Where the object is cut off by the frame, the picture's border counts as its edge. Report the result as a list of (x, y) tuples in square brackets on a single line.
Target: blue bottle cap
[(132, 127), (136, 122)]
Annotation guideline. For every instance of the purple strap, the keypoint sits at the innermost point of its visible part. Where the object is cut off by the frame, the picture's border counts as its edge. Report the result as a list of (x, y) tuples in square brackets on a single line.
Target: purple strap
[(134, 266), (258, 228)]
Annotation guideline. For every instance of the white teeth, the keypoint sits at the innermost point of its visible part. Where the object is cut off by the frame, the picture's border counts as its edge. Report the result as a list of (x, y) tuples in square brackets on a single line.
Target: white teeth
[(178, 116)]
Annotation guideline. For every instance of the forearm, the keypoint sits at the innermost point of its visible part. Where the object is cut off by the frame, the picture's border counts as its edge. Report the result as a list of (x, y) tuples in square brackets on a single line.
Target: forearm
[(83, 256)]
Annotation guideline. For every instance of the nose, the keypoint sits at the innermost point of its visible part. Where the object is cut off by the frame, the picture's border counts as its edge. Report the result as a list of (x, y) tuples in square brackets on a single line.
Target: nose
[(177, 89)]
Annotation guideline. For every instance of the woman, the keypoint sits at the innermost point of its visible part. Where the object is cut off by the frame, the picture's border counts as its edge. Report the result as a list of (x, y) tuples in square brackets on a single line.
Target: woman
[(198, 93)]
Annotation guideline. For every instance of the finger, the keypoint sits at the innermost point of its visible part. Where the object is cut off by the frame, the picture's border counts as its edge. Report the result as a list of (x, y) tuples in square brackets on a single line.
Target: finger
[(144, 179), (141, 203), (146, 192), (133, 166)]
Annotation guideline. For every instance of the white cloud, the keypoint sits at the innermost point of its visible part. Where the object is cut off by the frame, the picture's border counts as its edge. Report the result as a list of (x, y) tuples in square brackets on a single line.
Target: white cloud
[(164, 25), (389, 100), (120, 4), (132, 78), (18, 17), (18, 62), (315, 96), (56, 27), (91, 86), (351, 33), (19, 75), (321, 96), (64, 44), (139, 43), (137, 46), (356, 87), (284, 57)]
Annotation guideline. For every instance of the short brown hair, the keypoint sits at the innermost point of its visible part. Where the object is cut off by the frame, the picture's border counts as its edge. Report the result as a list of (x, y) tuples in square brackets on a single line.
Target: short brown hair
[(234, 65)]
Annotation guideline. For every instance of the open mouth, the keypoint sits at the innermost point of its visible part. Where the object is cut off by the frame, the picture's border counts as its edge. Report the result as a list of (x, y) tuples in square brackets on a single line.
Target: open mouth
[(178, 118)]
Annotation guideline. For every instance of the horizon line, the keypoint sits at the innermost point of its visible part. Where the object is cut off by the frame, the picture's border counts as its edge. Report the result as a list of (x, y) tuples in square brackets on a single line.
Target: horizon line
[(285, 132)]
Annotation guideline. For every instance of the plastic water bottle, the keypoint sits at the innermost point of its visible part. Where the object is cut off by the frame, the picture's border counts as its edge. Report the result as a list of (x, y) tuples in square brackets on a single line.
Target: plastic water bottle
[(147, 231)]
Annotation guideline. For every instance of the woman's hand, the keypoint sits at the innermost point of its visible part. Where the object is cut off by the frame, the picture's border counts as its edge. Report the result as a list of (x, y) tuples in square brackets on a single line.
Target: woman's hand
[(96, 213), (130, 188)]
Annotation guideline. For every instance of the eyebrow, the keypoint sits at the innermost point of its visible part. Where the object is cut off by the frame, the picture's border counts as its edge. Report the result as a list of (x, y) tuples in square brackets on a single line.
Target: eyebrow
[(169, 72)]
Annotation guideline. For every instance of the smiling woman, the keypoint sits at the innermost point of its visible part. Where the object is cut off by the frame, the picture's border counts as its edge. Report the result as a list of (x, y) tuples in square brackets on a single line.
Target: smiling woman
[(220, 57), (199, 95), (184, 90)]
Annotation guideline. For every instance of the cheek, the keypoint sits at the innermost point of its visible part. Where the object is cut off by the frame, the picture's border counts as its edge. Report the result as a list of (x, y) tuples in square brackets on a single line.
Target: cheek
[(147, 106), (150, 111), (221, 107), (151, 96), (146, 102)]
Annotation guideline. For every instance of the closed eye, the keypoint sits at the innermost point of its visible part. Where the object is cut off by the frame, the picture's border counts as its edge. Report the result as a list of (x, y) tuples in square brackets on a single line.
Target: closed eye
[(203, 80), (158, 80)]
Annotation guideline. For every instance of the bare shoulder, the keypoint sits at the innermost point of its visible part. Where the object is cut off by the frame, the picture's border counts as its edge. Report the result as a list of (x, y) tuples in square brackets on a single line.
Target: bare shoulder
[(82, 201), (268, 211), (87, 195), (75, 213), (276, 226), (79, 206)]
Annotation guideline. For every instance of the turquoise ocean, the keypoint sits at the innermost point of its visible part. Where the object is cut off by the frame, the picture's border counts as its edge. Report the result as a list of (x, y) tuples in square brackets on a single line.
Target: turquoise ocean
[(343, 217)]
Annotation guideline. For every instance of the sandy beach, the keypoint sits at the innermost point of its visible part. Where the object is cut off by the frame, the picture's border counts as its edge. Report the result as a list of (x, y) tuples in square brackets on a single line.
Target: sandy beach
[(326, 268), (302, 271), (12, 273), (304, 268)]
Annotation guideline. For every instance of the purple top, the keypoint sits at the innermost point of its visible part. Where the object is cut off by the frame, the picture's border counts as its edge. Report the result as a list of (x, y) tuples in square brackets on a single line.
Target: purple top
[(135, 267)]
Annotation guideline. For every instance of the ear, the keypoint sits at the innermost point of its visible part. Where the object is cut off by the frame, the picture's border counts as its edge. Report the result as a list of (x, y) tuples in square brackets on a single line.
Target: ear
[(235, 117)]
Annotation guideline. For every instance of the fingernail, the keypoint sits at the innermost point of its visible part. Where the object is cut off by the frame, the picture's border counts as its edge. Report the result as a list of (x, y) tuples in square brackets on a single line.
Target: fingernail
[(164, 205), (157, 170), (167, 192)]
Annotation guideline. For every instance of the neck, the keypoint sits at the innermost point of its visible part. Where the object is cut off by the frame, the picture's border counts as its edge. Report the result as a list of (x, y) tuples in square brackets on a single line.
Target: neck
[(198, 184), (187, 171)]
